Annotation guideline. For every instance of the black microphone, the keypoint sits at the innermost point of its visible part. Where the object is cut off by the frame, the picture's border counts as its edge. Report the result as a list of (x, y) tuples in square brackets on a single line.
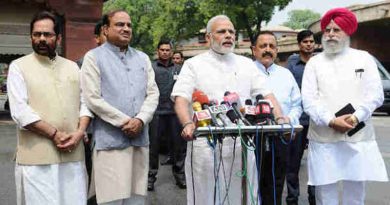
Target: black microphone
[(232, 115), (263, 111), (249, 111), (234, 101)]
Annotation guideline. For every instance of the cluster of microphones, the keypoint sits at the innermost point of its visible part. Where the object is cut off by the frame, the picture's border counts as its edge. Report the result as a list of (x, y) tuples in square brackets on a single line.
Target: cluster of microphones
[(230, 112)]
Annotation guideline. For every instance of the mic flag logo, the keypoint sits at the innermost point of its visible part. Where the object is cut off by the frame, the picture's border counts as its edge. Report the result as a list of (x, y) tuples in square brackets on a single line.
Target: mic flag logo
[(203, 115), (266, 109), (218, 109)]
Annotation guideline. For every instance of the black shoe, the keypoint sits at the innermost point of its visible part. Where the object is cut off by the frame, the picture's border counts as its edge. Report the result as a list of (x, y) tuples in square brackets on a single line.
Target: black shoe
[(150, 186), (151, 180), (167, 161), (181, 184)]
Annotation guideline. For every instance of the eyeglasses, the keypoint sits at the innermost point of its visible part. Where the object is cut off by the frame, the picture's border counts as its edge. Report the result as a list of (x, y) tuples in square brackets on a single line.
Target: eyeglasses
[(38, 34)]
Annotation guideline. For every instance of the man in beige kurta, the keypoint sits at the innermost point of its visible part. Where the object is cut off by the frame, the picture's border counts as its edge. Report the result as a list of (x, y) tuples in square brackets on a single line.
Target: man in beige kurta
[(44, 94)]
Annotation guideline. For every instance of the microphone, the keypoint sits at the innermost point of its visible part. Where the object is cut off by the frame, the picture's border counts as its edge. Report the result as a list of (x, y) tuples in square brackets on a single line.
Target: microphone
[(219, 112), (202, 118), (249, 111), (263, 111), (233, 100), (201, 97)]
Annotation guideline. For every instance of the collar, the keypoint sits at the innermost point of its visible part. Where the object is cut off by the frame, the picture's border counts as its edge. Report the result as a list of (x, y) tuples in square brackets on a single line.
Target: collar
[(115, 48), (300, 61), (45, 60), (221, 57), (264, 70), (159, 63)]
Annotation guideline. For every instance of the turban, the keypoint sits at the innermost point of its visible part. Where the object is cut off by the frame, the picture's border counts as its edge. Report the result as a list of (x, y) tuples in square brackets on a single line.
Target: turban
[(344, 18)]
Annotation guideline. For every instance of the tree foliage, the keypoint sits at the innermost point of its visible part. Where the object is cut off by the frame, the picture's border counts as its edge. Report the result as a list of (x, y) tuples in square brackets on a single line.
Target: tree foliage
[(301, 19), (246, 15), (181, 19)]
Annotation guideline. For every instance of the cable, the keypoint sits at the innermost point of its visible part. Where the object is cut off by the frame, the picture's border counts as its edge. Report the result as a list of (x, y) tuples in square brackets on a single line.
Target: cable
[(231, 171), (273, 169), (291, 135), (210, 139), (259, 160), (243, 173)]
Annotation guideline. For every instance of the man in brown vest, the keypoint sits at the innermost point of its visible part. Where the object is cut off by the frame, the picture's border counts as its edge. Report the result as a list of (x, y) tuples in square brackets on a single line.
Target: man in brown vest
[(44, 94)]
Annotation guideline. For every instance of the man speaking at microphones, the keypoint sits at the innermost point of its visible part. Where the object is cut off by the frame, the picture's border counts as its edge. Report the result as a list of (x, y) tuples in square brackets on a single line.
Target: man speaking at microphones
[(214, 72), (282, 83), (341, 88)]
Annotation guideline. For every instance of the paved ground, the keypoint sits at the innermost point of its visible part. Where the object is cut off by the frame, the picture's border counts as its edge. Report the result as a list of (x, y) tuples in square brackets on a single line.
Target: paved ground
[(166, 192)]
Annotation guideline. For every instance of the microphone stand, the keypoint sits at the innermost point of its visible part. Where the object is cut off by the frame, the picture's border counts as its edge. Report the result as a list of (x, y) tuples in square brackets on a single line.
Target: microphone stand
[(234, 130)]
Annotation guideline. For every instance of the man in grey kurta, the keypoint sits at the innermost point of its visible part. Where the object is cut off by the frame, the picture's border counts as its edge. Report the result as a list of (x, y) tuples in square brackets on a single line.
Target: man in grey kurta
[(120, 89)]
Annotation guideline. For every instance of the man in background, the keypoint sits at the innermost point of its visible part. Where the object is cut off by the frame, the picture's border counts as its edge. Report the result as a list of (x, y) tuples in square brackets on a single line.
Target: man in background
[(296, 64), (165, 122), (178, 58), (99, 38)]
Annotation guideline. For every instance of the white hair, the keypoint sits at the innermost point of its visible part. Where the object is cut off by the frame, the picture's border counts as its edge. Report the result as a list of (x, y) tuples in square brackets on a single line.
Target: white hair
[(213, 20)]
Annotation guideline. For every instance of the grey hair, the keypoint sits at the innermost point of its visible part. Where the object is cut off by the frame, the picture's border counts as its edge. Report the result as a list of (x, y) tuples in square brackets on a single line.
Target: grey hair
[(213, 20)]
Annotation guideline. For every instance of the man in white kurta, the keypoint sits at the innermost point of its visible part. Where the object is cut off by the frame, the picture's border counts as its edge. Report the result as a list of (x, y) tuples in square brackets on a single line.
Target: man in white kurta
[(332, 79), (215, 72), (44, 93)]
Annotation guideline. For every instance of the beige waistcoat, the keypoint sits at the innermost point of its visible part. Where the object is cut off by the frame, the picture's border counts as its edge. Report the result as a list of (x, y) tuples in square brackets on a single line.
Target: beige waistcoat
[(53, 91)]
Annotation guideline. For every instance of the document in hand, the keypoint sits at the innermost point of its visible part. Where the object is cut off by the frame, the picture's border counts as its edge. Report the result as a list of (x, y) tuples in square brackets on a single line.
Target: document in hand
[(348, 109)]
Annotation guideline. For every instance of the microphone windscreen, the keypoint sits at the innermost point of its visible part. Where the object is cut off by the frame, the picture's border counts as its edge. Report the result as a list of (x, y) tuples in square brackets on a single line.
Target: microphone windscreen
[(199, 96), (259, 97), (232, 116), (248, 102), (232, 98)]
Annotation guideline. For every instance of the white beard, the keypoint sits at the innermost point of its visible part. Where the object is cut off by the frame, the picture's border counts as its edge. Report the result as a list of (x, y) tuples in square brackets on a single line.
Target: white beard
[(334, 46), (219, 48)]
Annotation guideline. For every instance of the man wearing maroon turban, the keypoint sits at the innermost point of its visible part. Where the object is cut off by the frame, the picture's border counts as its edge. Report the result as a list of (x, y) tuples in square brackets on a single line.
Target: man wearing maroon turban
[(333, 79)]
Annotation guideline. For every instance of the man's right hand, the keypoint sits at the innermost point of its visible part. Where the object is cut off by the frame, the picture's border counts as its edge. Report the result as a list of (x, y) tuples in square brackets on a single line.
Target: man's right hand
[(61, 138), (340, 123), (188, 131)]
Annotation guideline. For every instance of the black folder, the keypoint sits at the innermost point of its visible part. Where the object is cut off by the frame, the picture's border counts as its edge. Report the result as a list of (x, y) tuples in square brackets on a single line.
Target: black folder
[(348, 109)]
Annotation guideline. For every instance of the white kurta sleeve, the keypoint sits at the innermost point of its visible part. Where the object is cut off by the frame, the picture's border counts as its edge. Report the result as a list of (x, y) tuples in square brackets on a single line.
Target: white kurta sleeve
[(84, 111), (296, 102), (185, 83), (21, 112), (90, 84)]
